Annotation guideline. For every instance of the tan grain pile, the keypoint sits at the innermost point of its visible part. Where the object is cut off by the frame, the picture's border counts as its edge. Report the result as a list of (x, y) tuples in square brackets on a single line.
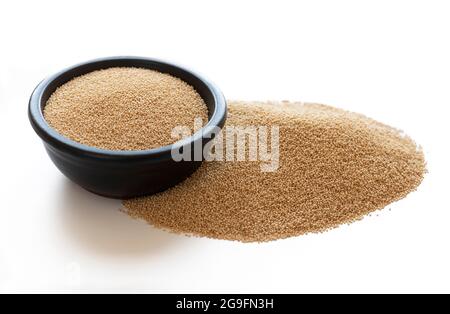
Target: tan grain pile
[(123, 108), (335, 167)]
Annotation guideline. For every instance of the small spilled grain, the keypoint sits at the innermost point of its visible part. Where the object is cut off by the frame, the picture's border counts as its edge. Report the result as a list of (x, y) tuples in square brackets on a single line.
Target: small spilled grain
[(335, 168)]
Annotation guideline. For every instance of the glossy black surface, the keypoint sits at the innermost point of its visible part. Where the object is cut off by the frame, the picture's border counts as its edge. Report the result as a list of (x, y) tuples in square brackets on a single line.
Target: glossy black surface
[(123, 174)]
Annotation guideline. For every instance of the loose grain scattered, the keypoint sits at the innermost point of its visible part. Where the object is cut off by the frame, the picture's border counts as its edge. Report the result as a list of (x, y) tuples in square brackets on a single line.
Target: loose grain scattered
[(123, 108), (335, 168)]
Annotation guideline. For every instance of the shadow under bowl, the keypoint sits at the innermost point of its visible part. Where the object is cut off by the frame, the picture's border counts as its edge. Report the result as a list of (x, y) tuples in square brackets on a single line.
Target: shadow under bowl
[(125, 174)]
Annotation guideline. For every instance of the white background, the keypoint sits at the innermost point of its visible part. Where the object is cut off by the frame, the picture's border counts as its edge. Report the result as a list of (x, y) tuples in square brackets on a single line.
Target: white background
[(386, 59)]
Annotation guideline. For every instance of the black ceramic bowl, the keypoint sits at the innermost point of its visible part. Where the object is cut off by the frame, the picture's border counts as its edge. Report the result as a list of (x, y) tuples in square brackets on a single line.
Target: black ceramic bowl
[(124, 174)]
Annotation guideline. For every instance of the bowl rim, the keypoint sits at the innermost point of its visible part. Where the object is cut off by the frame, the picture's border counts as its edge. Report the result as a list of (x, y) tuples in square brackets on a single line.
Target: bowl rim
[(51, 136)]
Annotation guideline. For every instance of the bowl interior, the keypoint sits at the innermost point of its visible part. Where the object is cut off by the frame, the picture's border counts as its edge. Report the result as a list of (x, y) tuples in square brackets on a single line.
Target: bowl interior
[(198, 84), (214, 100)]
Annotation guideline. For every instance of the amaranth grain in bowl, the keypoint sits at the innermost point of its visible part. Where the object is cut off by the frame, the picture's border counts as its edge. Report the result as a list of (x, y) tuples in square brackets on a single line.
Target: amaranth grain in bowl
[(124, 108)]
